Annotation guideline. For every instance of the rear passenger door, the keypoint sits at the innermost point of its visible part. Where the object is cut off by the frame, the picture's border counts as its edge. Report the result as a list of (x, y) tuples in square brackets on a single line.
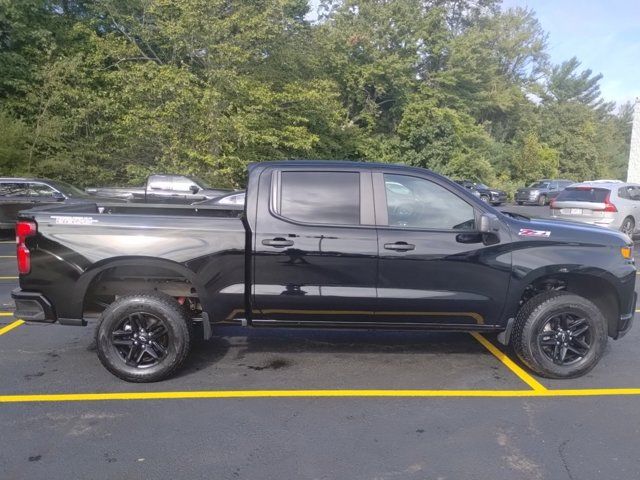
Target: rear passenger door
[(316, 248)]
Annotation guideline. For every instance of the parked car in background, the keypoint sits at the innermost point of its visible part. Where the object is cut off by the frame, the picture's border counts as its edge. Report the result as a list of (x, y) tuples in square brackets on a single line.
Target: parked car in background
[(610, 203), (541, 192), (233, 198), (180, 189), (486, 194), (24, 193)]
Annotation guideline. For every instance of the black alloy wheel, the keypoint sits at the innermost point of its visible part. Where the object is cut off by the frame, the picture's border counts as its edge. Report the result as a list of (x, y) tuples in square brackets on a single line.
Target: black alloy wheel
[(565, 338), (144, 337), (141, 339), (559, 334)]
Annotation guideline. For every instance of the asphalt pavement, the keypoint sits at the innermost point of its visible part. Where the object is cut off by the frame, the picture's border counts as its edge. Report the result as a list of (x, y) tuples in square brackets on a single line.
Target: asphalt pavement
[(369, 405)]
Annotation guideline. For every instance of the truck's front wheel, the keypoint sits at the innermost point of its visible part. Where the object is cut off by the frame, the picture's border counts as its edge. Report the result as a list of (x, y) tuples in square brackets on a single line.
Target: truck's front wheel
[(144, 337), (559, 335)]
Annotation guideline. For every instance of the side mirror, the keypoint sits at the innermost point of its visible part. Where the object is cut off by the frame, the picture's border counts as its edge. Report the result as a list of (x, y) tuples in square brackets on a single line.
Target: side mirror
[(194, 189), (489, 223), (58, 197)]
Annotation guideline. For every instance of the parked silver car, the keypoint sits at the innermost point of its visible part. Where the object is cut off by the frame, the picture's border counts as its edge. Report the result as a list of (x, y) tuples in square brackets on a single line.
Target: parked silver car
[(609, 203)]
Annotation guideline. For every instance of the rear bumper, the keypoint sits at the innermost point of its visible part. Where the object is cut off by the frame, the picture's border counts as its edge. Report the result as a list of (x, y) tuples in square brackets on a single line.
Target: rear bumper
[(32, 307)]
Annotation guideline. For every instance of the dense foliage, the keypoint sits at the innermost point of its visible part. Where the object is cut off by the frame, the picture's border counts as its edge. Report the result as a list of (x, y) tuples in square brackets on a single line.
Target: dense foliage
[(107, 91)]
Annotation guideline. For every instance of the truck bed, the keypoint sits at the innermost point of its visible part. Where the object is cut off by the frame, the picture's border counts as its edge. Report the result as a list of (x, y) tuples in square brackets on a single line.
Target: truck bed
[(106, 208)]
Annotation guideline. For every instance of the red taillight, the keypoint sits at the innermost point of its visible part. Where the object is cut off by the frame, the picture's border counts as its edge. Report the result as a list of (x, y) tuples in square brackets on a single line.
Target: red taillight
[(24, 230), (608, 206), (24, 259)]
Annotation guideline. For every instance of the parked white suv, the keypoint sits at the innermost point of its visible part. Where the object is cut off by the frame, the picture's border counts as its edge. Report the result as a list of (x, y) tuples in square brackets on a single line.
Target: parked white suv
[(610, 203)]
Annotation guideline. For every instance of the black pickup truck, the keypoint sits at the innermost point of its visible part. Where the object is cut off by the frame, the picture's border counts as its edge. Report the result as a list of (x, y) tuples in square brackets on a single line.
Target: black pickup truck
[(325, 245)]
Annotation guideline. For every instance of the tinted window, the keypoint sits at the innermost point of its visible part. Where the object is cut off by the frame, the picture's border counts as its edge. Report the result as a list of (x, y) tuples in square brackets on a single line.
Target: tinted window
[(583, 194), (634, 193), (321, 197), (68, 190), (160, 182), (40, 190), (14, 189), (424, 204), (183, 184), (539, 185), (624, 193)]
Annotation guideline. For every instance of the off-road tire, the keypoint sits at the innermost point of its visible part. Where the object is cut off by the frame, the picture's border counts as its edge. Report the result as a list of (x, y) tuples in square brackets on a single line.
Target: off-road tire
[(179, 334), (531, 320)]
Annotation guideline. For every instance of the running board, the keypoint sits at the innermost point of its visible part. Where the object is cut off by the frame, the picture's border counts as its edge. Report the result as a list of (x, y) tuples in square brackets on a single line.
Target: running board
[(450, 327)]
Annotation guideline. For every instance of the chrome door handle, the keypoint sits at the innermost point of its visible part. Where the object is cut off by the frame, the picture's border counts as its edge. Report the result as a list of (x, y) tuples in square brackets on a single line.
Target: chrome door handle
[(278, 242), (399, 246)]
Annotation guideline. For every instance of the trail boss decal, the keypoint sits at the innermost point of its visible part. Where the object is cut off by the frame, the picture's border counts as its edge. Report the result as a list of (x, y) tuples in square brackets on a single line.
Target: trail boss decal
[(73, 220), (528, 232)]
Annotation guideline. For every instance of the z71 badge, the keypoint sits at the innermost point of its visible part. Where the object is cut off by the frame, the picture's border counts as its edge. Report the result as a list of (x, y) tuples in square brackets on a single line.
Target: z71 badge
[(528, 232)]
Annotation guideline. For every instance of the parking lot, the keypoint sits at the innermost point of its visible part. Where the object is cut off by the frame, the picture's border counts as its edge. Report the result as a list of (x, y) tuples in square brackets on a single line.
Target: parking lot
[(311, 404)]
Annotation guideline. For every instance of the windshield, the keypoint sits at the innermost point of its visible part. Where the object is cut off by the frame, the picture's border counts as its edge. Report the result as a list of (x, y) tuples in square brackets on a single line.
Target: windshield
[(66, 189), (198, 181), (539, 185)]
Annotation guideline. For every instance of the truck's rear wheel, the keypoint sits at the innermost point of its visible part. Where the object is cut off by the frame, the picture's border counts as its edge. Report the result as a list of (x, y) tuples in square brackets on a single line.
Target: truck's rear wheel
[(559, 335), (144, 337)]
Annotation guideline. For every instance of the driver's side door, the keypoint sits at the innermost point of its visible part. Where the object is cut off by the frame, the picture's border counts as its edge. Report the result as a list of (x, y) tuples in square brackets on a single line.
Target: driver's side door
[(433, 265)]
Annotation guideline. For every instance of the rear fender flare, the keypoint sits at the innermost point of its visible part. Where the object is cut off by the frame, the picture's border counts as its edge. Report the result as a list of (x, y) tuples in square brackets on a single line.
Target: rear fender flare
[(86, 279)]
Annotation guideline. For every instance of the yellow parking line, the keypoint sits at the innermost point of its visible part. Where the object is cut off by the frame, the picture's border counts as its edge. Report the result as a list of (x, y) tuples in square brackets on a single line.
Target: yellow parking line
[(8, 278), (510, 364), (81, 397), (6, 314), (7, 256), (11, 326)]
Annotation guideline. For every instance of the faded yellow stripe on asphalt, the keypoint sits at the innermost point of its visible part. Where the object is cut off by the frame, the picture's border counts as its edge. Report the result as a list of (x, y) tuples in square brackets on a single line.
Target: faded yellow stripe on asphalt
[(7, 256), (11, 326), (6, 314), (221, 394), (8, 278), (510, 364)]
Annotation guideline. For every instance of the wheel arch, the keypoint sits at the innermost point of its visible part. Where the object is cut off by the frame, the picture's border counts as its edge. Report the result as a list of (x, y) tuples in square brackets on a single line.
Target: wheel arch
[(91, 277), (598, 286)]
